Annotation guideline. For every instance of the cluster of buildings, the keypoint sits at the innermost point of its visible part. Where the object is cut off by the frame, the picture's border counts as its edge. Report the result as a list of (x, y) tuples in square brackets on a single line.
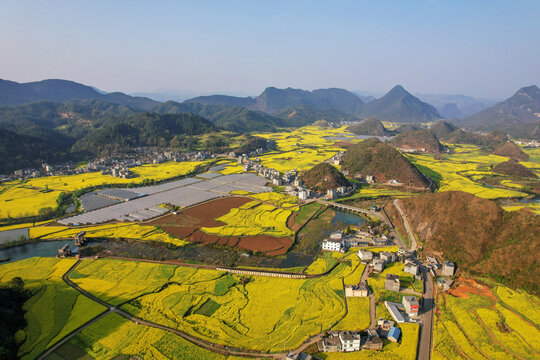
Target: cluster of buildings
[(115, 165), (339, 241)]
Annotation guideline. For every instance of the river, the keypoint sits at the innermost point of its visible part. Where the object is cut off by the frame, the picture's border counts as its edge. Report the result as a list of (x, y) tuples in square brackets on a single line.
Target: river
[(45, 248)]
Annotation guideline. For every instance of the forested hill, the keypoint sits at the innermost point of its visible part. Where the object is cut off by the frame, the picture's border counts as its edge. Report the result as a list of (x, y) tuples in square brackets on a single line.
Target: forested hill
[(372, 157), (143, 129), (479, 235)]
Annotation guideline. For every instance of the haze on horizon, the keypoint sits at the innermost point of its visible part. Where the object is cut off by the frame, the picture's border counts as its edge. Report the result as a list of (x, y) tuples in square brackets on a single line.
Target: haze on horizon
[(478, 48)]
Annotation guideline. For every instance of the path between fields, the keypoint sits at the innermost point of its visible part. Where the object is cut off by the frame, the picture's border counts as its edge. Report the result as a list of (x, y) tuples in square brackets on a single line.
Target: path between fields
[(224, 350), (221, 349)]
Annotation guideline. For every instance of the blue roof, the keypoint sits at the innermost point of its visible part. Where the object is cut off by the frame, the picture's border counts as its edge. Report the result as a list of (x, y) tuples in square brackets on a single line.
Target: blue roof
[(394, 333)]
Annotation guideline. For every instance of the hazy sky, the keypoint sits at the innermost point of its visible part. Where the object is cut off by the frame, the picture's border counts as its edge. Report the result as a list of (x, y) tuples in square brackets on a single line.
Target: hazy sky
[(482, 48)]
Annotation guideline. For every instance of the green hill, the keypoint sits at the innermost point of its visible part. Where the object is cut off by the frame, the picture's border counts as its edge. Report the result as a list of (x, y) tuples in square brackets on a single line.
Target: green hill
[(323, 177), (371, 126), (372, 157), (418, 140)]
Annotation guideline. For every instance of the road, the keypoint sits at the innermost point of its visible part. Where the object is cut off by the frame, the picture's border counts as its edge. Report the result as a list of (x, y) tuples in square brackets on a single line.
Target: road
[(426, 328), (408, 228)]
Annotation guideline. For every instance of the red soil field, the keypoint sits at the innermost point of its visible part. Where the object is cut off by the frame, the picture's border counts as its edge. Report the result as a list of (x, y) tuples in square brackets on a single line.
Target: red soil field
[(187, 223), (463, 287)]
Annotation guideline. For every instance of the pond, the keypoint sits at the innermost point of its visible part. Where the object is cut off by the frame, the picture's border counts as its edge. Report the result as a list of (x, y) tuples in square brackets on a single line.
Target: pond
[(348, 218), (45, 248)]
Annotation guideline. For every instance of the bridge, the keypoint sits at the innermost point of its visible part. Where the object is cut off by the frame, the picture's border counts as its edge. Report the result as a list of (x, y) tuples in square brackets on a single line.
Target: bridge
[(354, 209)]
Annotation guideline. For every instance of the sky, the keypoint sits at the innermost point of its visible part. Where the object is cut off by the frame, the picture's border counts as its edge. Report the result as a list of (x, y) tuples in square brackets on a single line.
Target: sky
[(480, 48)]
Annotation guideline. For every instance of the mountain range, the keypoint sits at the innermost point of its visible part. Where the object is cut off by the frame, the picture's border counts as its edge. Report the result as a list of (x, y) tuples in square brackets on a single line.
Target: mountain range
[(519, 115), (398, 105)]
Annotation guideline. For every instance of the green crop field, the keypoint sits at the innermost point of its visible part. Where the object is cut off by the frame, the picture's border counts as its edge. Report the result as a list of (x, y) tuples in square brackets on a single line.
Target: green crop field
[(54, 308)]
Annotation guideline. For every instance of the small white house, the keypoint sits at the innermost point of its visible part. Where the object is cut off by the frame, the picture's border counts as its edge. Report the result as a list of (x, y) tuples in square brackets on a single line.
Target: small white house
[(411, 268), (350, 341), (302, 195), (337, 235), (449, 268), (277, 181), (332, 245), (411, 305), (365, 255)]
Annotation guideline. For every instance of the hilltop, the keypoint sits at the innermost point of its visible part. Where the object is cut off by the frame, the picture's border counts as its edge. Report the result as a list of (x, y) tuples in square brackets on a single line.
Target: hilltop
[(519, 115), (399, 105), (513, 168), (511, 150), (442, 129), (323, 177), (418, 140), (479, 235), (371, 126), (372, 157)]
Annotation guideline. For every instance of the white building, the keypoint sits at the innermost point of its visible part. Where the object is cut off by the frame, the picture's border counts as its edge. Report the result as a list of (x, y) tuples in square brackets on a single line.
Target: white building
[(277, 181), (303, 195), (365, 255), (332, 245), (449, 268), (337, 235), (350, 341), (411, 305), (411, 268), (378, 265)]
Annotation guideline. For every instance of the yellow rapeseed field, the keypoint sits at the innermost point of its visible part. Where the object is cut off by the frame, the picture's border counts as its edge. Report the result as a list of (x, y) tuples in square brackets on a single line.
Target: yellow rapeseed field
[(117, 230), (26, 198), (253, 218)]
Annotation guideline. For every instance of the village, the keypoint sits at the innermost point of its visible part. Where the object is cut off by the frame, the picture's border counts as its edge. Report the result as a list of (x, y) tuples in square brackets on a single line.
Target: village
[(408, 310)]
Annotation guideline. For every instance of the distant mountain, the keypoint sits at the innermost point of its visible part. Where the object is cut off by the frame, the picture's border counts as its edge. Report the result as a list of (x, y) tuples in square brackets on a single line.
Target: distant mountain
[(479, 235), (398, 105), (371, 126), (419, 140), (13, 93), (442, 129), (302, 115), (233, 118), (273, 100), (455, 106), (372, 157), (323, 177), (520, 109)]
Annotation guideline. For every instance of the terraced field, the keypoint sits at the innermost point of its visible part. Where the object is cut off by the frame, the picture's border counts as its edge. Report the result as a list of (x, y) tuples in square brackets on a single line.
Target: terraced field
[(480, 325), (54, 308)]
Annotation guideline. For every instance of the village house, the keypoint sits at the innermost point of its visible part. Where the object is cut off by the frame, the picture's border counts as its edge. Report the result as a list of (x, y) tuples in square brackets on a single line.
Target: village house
[(337, 235), (385, 324), (444, 283), (391, 283), (277, 181), (411, 305), (331, 194), (332, 245), (370, 179), (411, 268), (330, 343), (359, 290), (393, 334), (449, 268), (387, 257), (372, 341), (303, 195), (350, 341), (378, 265), (364, 255)]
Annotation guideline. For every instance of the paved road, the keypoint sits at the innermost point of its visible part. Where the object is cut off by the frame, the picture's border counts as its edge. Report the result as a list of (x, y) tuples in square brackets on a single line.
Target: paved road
[(408, 227), (426, 329)]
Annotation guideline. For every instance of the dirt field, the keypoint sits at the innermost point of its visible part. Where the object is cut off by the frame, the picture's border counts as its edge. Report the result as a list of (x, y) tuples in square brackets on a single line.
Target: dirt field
[(187, 224), (463, 287)]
